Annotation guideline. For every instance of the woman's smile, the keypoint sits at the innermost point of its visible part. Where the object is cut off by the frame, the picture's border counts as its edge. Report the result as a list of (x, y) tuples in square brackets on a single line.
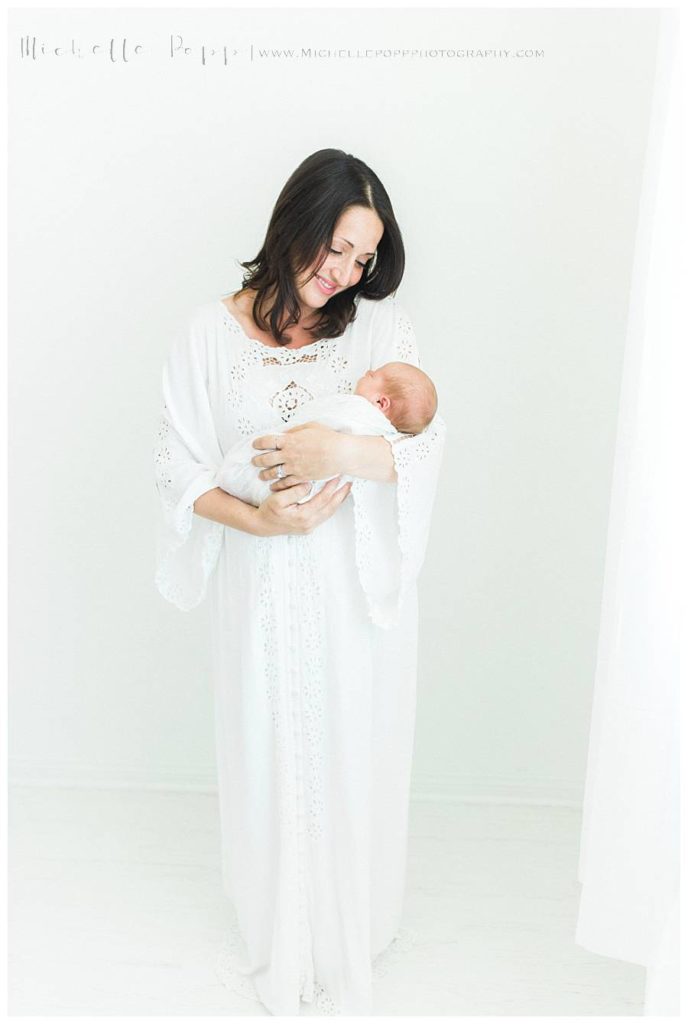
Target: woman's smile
[(325, 285)]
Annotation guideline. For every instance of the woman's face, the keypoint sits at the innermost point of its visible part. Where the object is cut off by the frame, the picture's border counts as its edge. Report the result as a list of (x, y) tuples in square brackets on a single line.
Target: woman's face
[(356, 236)]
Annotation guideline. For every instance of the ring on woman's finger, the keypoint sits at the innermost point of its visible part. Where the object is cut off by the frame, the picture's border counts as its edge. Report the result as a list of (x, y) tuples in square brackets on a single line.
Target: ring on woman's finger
[(280, 471)]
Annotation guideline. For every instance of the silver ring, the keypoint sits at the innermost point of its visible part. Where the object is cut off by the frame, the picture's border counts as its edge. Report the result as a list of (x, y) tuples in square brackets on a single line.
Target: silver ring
[(280, 471)]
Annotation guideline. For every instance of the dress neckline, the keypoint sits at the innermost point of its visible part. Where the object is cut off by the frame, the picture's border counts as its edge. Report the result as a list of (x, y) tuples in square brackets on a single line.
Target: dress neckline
[(261, 344)]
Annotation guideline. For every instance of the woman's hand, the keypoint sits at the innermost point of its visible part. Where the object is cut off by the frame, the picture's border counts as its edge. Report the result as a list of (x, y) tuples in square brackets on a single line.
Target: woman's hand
[(280, 513), (307, 452)]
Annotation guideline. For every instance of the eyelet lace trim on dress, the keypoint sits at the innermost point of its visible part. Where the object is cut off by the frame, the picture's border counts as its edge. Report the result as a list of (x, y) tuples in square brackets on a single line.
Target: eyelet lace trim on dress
[(416, 461), (408, 453), (230, 967), (178, 522)]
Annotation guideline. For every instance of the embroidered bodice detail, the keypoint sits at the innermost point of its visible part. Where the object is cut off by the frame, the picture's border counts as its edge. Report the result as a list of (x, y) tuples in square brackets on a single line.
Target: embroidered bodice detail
[(284, 402), (305, 373)]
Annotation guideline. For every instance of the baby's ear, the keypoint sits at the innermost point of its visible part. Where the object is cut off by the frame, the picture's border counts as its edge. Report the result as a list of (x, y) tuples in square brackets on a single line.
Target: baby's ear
[(384, 403)]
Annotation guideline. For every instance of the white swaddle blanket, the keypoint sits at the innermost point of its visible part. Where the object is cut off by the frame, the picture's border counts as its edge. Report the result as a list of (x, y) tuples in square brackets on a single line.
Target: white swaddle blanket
[(352, 414)]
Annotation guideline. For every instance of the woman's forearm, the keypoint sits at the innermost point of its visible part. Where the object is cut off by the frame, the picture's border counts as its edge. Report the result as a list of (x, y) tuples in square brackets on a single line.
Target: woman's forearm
[(368, 457), (224, 508)]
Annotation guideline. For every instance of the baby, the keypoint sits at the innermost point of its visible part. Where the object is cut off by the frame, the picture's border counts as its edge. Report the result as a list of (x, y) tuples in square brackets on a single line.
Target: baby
[(394, 399)]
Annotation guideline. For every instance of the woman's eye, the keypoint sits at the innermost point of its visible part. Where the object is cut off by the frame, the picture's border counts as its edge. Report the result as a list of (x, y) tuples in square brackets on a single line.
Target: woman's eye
[(358, 263)]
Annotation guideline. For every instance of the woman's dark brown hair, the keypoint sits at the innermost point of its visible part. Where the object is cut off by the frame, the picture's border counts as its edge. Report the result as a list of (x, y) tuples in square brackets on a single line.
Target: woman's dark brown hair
[(300, 232)]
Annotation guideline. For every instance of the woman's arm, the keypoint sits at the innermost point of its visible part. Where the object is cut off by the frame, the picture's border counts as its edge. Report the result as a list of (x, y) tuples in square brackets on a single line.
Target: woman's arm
[(224, 508), (278, 514), (366, 456), (312, 451)]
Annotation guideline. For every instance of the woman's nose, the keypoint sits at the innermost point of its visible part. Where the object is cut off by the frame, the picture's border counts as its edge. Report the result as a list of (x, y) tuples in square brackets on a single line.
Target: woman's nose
[(341, 275), (341, 272)]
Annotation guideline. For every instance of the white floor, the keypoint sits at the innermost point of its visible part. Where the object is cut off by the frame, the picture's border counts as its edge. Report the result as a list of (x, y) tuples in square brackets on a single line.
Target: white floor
[(116, 908)]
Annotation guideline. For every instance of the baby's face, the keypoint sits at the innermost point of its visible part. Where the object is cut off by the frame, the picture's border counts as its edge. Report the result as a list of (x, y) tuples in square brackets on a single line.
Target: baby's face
[(371, 386)]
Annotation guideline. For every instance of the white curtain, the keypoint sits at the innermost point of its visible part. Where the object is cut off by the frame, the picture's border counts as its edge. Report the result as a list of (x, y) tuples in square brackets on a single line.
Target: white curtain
[(629, 855)]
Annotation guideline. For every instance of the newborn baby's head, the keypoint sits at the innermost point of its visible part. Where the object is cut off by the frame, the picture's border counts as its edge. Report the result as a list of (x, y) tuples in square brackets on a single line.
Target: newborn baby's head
[(403, 392)]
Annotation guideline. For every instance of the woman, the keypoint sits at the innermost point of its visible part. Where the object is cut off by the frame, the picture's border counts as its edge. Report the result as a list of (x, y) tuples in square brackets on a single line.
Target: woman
[(314, 610)]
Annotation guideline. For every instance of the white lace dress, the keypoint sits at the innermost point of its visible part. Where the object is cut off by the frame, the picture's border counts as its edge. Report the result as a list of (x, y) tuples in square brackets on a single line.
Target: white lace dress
[(314, 642)]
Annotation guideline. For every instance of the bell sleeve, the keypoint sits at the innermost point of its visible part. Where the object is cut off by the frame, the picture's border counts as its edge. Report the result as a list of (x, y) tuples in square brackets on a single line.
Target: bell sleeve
[(392, 519), (186, 456)]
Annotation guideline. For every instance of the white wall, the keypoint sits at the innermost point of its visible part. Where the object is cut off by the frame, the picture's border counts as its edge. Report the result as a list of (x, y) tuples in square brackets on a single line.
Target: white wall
[(135, 187)]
